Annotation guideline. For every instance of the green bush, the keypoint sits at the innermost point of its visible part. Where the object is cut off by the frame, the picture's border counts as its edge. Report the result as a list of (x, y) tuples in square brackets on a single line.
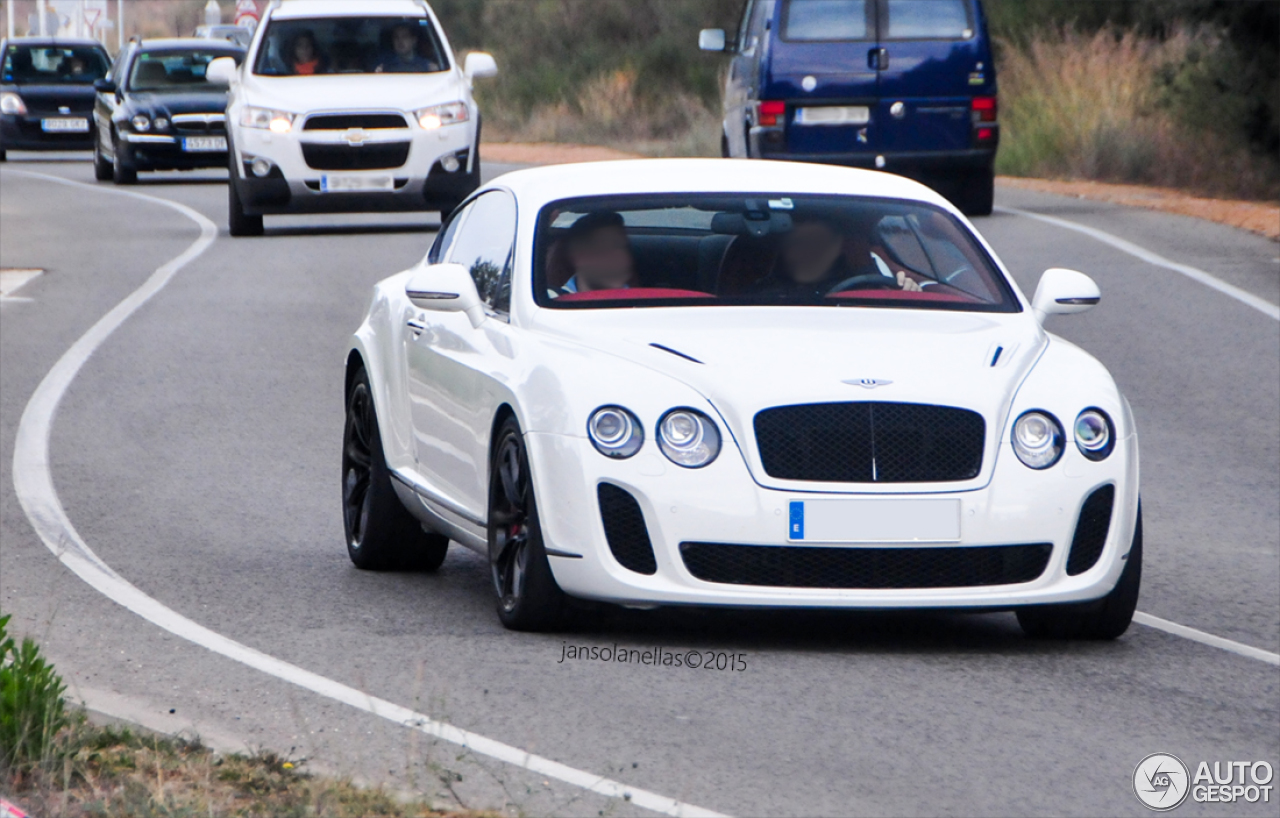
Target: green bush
[(32, 708)]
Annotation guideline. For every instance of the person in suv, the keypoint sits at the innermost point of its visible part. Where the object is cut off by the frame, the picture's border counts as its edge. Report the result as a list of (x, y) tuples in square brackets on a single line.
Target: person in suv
[(378, 117), (905, 86)]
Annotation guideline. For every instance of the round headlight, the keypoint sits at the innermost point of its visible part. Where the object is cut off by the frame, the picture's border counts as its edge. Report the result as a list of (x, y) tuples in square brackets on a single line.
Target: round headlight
[(615, 432), (161, 124), (688, 438), (1037, 439), (141, 123), (1095, 435)]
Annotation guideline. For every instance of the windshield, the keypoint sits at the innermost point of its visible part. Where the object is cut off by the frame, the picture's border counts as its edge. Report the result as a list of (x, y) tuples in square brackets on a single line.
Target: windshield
[(53, 65), (174, 70), (763, 250), (350, 45)]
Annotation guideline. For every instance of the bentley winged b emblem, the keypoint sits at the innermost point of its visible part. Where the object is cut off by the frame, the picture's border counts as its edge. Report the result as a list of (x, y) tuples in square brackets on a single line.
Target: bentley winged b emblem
[(867, 383)]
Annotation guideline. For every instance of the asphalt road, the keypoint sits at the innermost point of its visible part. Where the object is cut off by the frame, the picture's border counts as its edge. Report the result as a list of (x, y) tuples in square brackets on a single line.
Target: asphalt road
[(197, 454)]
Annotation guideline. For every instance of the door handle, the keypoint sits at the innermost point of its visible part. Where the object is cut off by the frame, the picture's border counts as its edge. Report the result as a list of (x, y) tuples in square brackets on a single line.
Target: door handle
[(878, 59)]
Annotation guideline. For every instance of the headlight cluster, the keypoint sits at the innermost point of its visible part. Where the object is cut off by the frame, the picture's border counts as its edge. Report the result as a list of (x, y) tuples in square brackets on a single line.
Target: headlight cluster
[(686, 436), (1039, 441), (437, 116), (267, 119), (142, 123), (12, 104)]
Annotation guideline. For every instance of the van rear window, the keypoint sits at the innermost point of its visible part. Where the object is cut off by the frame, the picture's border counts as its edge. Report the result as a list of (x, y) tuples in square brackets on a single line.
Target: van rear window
[(826, 20), (928, 20)]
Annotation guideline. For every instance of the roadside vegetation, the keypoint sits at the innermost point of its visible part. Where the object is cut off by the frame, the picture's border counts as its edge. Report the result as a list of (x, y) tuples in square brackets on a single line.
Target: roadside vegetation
[(54, 762)]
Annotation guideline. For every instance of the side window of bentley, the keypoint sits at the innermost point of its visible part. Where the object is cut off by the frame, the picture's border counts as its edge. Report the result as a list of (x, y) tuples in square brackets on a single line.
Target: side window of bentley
[(484, 246)]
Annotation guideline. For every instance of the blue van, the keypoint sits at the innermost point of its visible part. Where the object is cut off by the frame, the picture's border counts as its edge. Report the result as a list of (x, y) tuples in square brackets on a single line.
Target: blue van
[(905, 86)]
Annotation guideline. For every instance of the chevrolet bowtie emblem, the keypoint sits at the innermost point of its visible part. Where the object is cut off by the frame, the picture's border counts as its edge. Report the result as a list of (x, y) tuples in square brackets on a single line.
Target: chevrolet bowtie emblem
[(867, 383), (356, 136)]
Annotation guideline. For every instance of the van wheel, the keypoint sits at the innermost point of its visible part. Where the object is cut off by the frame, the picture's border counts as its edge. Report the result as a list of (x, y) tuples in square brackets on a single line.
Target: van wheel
[(240, 223), (724, 147), (1106, 618), (4, 155), (977, 193)]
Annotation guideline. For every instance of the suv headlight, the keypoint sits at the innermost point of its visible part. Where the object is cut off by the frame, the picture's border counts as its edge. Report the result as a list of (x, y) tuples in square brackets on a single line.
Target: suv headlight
[(267, 119), (141, 123), (688, 438), (1037, 439), (12, 104), (1095, 434), (615, 432), (437, 116)]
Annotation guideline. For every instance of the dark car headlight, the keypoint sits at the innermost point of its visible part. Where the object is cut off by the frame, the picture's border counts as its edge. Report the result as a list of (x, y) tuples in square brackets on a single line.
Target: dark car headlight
[(688, 438), (615, 432), (141, 123), (1037, 439), (1095, 434)]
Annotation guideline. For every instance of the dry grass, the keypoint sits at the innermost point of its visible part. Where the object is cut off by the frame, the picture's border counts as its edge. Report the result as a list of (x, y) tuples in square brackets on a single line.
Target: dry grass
[(1112, 107)]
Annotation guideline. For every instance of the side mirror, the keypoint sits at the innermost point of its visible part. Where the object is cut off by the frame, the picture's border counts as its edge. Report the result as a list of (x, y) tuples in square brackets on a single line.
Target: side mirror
[(446, 288), (479, 65), (221, 71), (1062, 292), (104, 86), (711, 39)]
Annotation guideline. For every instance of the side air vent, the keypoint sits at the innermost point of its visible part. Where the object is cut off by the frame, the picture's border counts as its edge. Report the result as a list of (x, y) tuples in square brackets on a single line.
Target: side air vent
[(625, 530), (1091, 531)]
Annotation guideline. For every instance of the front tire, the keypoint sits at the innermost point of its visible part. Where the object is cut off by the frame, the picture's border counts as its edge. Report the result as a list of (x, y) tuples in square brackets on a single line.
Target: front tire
[(123, 170), (1102, 619), (381, 534), (239, 223), (528, 597), (102, 170)]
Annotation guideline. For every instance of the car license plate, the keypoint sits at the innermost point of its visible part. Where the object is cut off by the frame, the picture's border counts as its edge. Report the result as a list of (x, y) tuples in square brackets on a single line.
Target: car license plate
[(834, 115), (64, 125), (204, 144), (888, 520), (339, 183)]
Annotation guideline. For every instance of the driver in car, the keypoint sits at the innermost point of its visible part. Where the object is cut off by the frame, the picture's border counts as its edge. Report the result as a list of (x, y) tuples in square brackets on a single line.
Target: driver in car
[(817, 259), (598, 253)]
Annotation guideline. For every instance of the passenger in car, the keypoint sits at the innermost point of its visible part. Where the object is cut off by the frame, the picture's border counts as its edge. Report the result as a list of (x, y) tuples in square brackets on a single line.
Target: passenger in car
[(405, 56), (306, 58), (818, 258), (597, 254)]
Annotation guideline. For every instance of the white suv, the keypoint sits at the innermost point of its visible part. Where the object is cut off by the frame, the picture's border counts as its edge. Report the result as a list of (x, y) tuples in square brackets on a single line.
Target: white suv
[(344, 107)]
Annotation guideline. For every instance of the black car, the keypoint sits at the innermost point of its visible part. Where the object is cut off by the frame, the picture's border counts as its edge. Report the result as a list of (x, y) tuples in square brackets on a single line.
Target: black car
[(46, 93), (156, 110)]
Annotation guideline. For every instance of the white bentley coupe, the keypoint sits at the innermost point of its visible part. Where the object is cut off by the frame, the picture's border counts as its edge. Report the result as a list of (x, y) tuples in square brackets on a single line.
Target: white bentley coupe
[(720, 382)]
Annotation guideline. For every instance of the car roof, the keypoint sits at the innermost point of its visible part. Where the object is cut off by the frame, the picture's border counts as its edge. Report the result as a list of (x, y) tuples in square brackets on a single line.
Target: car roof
[(365, 8), (189, 42), (549, 183), (53, 41)]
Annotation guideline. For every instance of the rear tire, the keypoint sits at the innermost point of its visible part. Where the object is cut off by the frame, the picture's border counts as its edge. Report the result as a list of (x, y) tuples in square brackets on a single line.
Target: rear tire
[(381, 534), (102, 170), (4, 155), (1106, 618), (240, 223), (528, 597), (724, 147), (123, 170), (977, 194)]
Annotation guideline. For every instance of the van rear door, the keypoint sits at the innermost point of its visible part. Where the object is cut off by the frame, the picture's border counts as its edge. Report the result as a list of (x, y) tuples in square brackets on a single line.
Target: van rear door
[(936, 61), (824, 65)]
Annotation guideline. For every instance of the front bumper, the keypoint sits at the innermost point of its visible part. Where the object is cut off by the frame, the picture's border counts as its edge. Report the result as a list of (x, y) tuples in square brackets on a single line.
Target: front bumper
[(722, 504), (25, 133), (293, 186), (165, 152)]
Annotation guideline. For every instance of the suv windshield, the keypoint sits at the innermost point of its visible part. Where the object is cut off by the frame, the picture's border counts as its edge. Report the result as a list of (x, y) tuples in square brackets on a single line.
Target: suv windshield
[(53, 65), (761, 250), (174, 69), (350, 45)]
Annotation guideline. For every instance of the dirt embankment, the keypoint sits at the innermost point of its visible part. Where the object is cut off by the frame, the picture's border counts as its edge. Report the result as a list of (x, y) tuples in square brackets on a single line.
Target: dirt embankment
[(1258, 217)]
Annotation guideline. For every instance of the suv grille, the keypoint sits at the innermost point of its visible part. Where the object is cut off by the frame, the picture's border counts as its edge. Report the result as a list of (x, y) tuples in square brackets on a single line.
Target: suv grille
[(870, 442), (865, 568), (625, 530), (342, 122), (1091, 531), (376, 156)]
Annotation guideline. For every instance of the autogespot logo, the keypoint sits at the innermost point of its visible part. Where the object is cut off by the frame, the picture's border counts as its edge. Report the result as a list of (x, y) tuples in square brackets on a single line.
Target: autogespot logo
[(1161, 782)]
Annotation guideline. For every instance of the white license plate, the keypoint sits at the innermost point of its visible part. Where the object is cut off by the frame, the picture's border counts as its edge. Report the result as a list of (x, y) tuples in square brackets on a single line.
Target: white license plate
[(204, 144), (834, 115), (887, 520), (64, 125), (338, 183)]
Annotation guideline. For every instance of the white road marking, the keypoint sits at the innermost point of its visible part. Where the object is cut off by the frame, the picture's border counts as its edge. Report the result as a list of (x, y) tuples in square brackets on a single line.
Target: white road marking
[(33, 483), (1195, 274), (1206, 638), (11, 280)]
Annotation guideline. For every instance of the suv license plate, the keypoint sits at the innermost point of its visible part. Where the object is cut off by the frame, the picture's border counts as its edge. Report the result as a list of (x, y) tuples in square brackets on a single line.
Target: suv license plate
[(834, 115), (204, 144), (890, 520), (339, 183), (64, 125)]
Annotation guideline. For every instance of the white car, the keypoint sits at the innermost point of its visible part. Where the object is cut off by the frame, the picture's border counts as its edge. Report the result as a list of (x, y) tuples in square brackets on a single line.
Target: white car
[(733, 383), (343, 107)]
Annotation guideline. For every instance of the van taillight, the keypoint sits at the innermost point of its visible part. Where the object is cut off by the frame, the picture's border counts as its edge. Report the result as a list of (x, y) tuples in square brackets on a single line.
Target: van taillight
[(984, 109), (771, 113)]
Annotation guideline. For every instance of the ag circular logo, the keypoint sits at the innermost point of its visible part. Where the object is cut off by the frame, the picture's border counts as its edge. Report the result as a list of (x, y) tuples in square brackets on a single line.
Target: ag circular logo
[(1161, 782)]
